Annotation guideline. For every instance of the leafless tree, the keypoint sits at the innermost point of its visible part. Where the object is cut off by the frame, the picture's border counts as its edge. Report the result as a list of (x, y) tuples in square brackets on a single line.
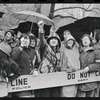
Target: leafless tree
[(69, 14)]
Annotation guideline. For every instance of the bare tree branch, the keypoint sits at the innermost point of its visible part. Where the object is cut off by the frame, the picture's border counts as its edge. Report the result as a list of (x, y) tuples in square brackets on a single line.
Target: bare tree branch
[(76, 7), (88, 6), (70, 14), (4, 9), (69, 8), (65, 17), (86, 10)]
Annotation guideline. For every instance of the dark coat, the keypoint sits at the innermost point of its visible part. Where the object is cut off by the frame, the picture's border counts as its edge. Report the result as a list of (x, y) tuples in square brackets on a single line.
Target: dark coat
[(88, 59), (13, 70), (24, 59)]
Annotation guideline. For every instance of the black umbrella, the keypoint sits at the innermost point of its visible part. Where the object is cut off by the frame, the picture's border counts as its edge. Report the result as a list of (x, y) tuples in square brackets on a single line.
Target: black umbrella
[(1, 14), (26, 26), (76, 31), (91, 23), (15, 30)]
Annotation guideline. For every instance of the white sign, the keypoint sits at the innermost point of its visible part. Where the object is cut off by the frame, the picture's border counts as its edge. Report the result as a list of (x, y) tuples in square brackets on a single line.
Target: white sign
[(29, 82)]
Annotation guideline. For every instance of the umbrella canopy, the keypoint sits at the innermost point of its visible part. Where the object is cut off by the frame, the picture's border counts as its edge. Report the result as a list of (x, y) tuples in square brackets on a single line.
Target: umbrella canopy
[(15, 30), (32, 17), (76, 31), (91, 23), (1, 14), (25, 27)]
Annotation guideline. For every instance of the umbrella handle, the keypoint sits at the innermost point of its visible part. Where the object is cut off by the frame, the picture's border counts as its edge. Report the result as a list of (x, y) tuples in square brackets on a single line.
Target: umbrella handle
[(31, 27)]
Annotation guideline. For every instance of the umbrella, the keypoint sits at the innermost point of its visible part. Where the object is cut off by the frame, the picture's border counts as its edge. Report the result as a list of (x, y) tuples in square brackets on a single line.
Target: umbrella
[(25, 27), (15, 30), (1, 14), (76, 30), (91, 23), (32, 17)]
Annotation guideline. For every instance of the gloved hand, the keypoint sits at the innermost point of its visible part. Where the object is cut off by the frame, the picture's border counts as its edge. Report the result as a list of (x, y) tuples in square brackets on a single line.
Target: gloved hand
[(35, 73), (41, 25), (85, 70)]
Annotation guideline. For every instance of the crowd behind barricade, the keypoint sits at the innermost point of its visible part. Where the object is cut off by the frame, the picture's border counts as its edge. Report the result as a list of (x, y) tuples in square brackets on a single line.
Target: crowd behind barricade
[(25, 54)]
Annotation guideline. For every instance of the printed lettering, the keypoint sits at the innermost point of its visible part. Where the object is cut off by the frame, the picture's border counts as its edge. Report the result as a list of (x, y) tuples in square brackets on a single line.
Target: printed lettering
[(25, 81), (71, 76), (84, 75), (19, 82)]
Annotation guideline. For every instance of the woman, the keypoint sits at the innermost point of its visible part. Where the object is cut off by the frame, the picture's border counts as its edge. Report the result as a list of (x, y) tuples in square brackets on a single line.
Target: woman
[(89, 58), (48, 52), (32, 46), (27, 61), (9, 69), (69, 62)]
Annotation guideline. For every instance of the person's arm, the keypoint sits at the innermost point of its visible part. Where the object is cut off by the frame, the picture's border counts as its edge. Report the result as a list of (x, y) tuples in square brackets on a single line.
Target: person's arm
[(16, 51), (94, 66), (38, 60), (41, 34)]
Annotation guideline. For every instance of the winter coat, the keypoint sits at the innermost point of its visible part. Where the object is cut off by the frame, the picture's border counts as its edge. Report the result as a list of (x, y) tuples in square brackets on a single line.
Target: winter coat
[(57, 52), (69, 58), (24, 59), (48, 56), (88, 59), (13, 71), (97, 46), (69, 63)]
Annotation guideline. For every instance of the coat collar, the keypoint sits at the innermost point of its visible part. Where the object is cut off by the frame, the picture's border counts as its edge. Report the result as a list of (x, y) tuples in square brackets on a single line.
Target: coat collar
[(89, 49)]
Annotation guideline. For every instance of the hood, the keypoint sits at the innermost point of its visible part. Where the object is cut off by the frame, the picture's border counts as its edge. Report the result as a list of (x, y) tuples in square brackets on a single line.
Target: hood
[(54, 35), (70, 37), (4, 47)]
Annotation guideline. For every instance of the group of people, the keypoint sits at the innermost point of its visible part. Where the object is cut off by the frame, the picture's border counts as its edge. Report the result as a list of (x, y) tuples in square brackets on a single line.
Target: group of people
[(24, 54)]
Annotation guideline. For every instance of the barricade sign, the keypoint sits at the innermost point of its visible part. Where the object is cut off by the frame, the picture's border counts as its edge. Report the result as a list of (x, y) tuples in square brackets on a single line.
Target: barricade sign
[(3, 89), (30, 82)]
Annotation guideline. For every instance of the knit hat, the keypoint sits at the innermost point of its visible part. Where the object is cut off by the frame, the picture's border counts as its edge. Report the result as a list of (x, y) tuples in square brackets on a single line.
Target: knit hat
[(11, 31), (54, 35), (4, 47), (69, 36)]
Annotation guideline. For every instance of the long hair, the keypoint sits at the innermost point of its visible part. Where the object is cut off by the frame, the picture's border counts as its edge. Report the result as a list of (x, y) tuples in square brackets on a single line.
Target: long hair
[(32, 37), (91, 42), (97, 35), (4, 64)]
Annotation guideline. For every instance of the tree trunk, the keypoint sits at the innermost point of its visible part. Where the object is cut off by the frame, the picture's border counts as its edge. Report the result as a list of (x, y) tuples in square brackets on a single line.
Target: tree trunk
[(52, 11), (38, 8)]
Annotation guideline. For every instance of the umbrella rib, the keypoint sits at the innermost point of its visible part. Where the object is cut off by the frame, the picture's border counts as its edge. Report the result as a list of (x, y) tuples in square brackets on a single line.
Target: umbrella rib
[(27, 17), (17, 16)]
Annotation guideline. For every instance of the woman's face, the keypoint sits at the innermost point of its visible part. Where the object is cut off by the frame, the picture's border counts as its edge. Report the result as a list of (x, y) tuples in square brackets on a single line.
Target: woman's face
[(53, 42), (32, 43), (26, 41), (66, 33), (8, 36), (86, 41), (19, 34), (70, 43)]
